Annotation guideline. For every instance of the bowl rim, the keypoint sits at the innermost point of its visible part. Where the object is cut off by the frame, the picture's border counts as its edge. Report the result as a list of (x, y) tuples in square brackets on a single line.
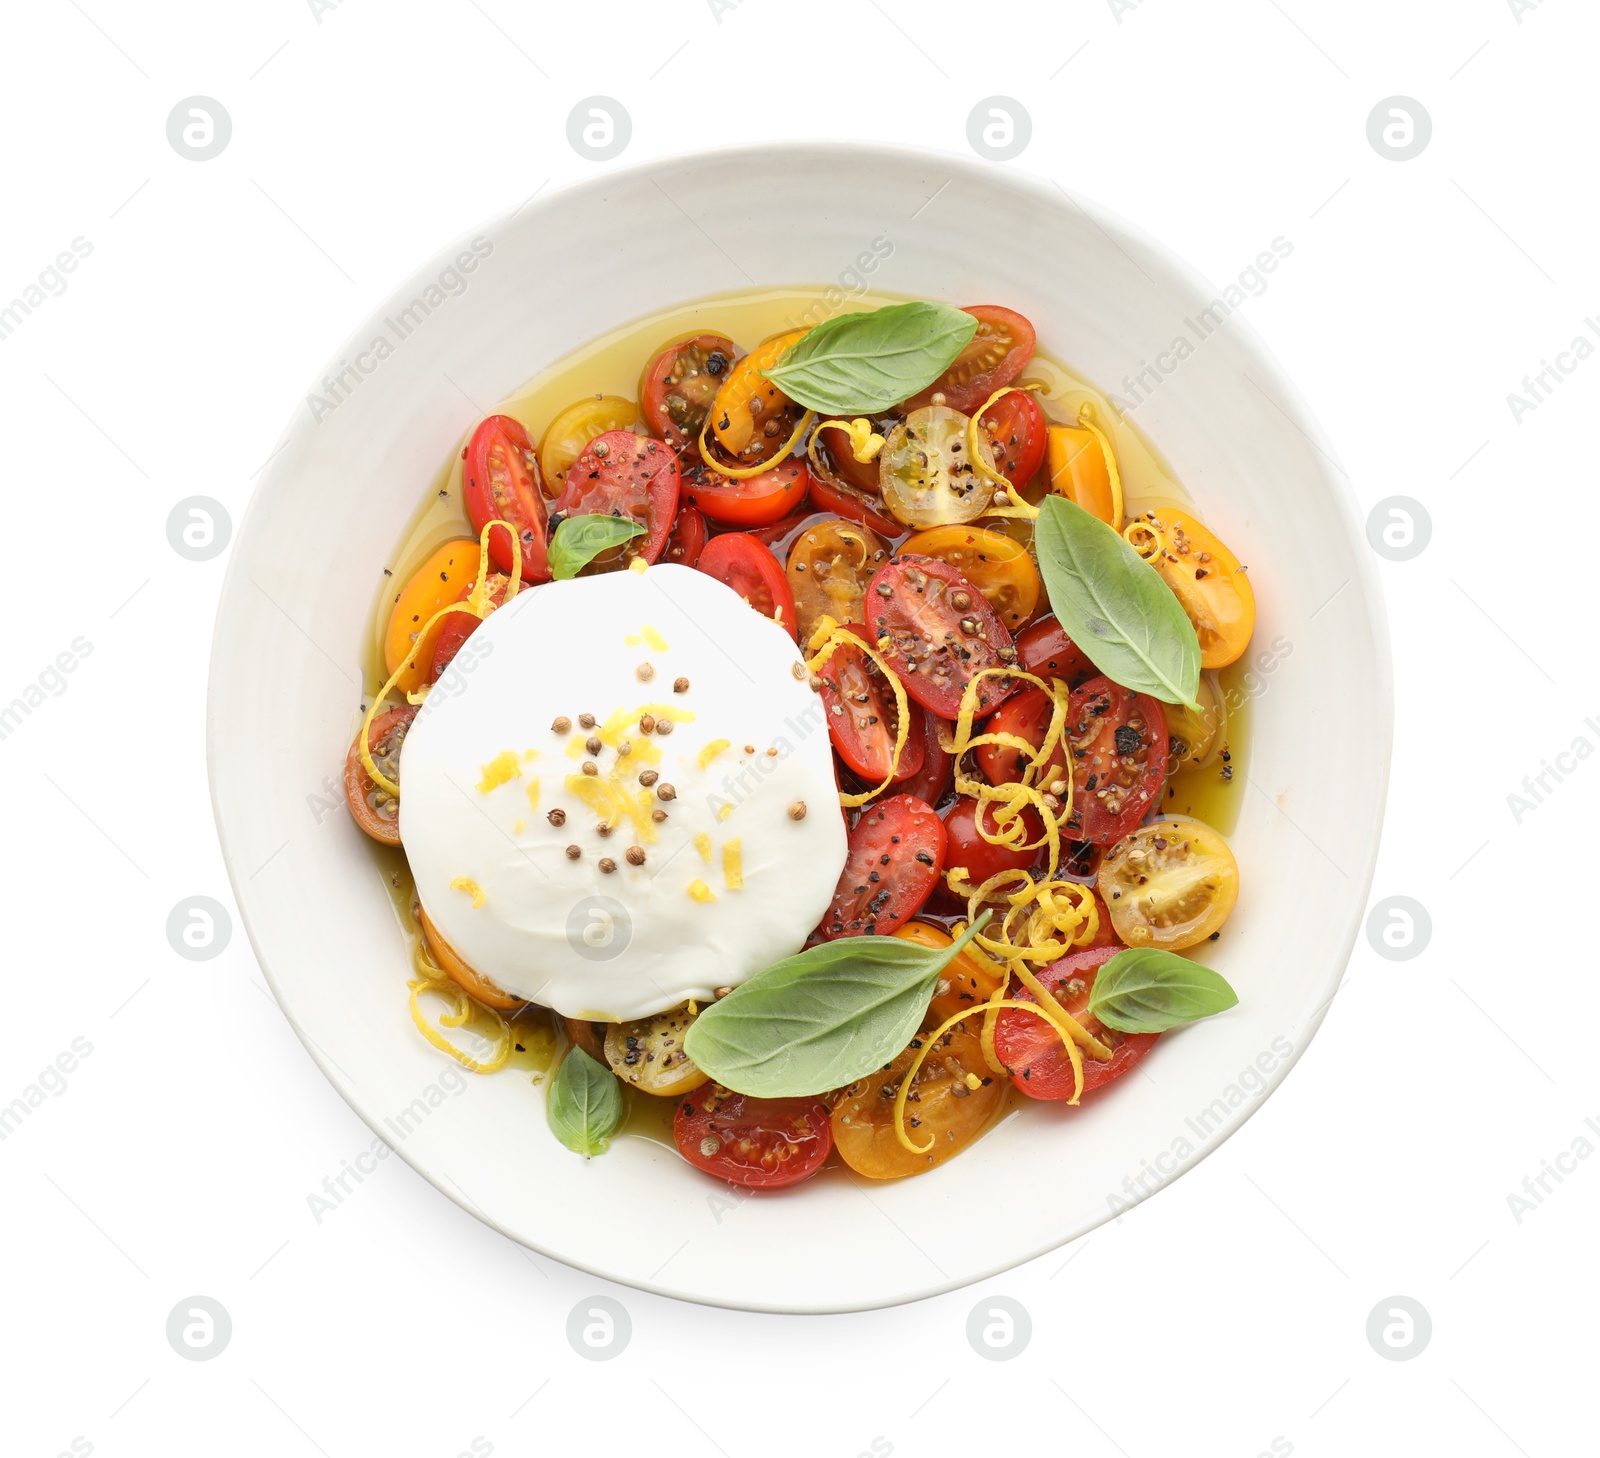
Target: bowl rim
[(1047, 192)]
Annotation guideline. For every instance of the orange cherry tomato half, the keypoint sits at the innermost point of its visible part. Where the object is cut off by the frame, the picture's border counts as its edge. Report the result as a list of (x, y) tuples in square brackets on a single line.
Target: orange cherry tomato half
[(751, 418), (969, 979), (623, 474), (749, 568), (1214, 589), (500, 481), (830, 564), (372, 807), (462, 975), (754, 501), (581, 422), (762, 1143), (444, 578), (1078, 471), (1031, 1049), (993, 357), (678, 386), (997, 565)]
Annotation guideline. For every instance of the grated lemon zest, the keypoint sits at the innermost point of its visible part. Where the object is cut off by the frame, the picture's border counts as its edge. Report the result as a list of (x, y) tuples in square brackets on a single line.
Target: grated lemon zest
[(733, 865), (712, 750), (464, 1007), (702, 843), (825, 641), (699, 891), (472, 888), (533, 794), (744, 473), (655, 640), (1088, 418), (499, 771)]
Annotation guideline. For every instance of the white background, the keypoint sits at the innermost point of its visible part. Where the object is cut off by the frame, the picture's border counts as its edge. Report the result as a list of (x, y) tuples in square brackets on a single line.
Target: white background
[(1227, 1313)]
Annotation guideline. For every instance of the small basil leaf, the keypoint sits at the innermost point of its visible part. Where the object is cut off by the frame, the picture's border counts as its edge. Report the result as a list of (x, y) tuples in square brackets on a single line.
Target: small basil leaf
[(1144, 990), (822, 1018), (1114, 605), (584, 1104), (861, 364), (580, 539)]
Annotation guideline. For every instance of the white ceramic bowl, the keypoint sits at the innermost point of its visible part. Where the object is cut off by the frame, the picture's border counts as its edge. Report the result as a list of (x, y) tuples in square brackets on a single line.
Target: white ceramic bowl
[(565, 268)]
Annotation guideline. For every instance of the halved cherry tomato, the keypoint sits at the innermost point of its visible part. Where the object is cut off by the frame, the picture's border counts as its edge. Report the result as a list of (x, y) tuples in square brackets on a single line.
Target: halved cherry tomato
[(750, 569), (942, 1105), (993, 357), (998, 566), (895, 854), (1079, 472), (751, 418), (772, 535), (941, 631), (932, 782), (866, 720), (1119, 759), (373, 808), (969, 979), (830, 564), (623, 474), (855, 503), (1105, 930), (1214, 589), (834, 447), (573, 429), (446, 577), (500, 480), (763, 1143), (471, 982), (688, 539), (588, 1036), (1170, 885), (1027, 715), (1031, 1048), (1044, 649), (926, 472), (754, 501), (1016, 430), (965, 847), (458, 627), (648, 1054), (678, 386)]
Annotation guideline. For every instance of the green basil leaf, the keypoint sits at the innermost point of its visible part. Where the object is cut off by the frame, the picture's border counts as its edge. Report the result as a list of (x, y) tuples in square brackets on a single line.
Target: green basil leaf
[(1144, 990), (861, 364), (580, 539), (820, 1019), (1114, 605), (584, 1104)]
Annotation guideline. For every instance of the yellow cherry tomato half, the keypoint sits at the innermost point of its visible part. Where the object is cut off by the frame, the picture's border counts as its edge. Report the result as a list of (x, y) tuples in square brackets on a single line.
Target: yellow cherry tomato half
[(747, 403), (1195, 739), (1214, 589), (998, 566), (1170, 884), (942, 1105), (830, 564), (926, 473), (968, 980), (574, 428), (1077, 467), (648, 1054), (444, 578)]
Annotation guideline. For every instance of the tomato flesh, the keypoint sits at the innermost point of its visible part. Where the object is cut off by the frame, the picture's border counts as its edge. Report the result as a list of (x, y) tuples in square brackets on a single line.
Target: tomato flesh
[(1119, 760), (1026, 715), (372, 807), (678, 386), (932, 782), (863, 717), (455, 629), (855, 503), (749, 568), (500, 482), (762, 1143), (623, 474), (830, 563), (993, 357), (754, 501), (1044, 649), (941, 632), (688, 538), (1031, 1049), (1015, 426), (966, 847), (892, 865)]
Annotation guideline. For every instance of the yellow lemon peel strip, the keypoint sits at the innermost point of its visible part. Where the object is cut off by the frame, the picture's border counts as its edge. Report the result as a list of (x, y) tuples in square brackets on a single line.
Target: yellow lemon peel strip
[(865, 442), (1005, 490), (745, 472), (462, 1011), (828, 638), (1088, 419)]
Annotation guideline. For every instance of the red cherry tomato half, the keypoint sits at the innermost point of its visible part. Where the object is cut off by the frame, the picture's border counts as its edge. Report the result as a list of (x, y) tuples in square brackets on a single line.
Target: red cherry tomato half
[(754, 501), (688, 538), (965, 847), (855, 503), (500, 482), (864, 725), (1031, 1049), (1119, 760), (678, 386), (373, 808), (623, 474), (1043, 648), (750, 569), (895, 855), (455, 629), (1027, 715), (932, 782), (993, 357), (941, 632), (1016, 429), (763, 1143), (834, 447)]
